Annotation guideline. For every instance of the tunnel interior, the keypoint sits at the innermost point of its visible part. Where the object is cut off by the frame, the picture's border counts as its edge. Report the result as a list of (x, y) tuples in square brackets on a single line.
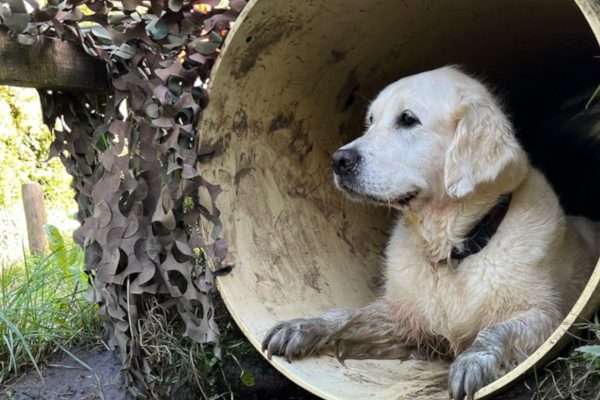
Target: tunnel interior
[(293, 85)]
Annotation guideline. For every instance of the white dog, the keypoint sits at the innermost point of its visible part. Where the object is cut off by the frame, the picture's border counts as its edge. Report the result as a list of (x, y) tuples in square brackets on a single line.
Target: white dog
[(482, 266)]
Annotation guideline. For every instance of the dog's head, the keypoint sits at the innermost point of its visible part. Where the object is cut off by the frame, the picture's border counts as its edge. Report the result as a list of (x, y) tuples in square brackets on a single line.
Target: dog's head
[(432, 135)]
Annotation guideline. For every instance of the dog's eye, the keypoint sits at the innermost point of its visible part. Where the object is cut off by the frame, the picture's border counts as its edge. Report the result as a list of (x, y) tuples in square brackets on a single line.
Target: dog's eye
[(407, 119), (370, 119)]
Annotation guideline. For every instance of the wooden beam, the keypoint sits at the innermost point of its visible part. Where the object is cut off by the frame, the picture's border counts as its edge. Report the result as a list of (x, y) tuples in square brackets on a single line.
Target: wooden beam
[(50, 64)]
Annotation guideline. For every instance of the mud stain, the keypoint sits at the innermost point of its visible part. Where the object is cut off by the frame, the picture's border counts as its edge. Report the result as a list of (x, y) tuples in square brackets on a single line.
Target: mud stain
[(241, 173), (346, 97), (312, 278), (211, 149), (281, 121), (299, 145), (240, 122), (262, 38), (337, 56)]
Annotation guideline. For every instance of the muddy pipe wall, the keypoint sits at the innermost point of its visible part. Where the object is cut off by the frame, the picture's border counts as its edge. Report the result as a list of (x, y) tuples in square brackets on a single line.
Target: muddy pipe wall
[(293, 84)]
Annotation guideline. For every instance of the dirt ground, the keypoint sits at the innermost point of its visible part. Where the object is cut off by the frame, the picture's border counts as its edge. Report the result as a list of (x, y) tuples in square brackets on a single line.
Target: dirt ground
[(64, 379)]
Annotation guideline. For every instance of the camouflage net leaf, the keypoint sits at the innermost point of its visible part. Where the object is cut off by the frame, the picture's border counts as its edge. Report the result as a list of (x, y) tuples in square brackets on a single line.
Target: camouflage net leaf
[(132, 153)]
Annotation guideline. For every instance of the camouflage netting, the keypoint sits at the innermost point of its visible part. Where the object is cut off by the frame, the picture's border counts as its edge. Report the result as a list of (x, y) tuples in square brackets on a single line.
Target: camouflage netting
[(132, 153)]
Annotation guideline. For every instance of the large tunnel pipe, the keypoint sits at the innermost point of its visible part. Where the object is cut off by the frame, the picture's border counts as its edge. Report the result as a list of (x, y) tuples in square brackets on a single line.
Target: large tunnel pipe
[(291, 86)]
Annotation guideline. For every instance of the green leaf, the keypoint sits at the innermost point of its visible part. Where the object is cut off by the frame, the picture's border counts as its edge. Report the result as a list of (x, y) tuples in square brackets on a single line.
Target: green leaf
[(55, 239), (77, 271), (23, 341), (213, 361), (592, 97), (593, 350), (247, 378)]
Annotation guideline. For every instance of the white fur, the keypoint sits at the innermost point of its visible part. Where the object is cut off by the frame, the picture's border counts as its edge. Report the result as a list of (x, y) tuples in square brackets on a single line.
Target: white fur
[(493, 308)]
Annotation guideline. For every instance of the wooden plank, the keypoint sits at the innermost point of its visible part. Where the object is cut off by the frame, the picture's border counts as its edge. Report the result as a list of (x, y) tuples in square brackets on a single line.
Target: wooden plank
[(50, 64), (35, 215)]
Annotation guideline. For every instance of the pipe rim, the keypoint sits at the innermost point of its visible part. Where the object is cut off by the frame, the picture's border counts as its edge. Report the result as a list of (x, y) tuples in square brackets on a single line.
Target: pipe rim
[(583, 309)]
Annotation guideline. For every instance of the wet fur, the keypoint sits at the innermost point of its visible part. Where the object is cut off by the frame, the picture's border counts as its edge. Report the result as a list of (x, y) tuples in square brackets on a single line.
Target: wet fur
[(496, 307)]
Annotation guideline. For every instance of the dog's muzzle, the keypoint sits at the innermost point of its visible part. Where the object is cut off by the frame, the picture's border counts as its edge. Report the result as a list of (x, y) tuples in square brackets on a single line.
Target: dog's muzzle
[(345, 161), (345, 164)]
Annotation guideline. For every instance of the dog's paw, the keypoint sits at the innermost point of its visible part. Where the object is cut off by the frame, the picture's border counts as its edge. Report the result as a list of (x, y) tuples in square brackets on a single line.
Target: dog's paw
[(296, 338), (471, 371)]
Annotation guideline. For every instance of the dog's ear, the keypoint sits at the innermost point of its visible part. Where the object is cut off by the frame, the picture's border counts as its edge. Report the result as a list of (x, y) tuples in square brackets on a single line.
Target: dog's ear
[(484, 146)]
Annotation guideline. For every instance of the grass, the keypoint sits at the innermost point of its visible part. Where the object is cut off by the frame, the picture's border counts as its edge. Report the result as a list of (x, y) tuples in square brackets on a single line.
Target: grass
[(177, 367), (43, 308), (576, 375)]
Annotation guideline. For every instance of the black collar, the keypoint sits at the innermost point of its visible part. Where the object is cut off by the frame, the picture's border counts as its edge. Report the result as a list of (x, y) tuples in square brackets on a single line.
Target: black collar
[(479, 236)]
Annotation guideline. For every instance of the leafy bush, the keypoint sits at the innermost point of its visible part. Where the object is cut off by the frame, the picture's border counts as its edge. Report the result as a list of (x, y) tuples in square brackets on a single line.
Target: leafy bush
[(24, 149)]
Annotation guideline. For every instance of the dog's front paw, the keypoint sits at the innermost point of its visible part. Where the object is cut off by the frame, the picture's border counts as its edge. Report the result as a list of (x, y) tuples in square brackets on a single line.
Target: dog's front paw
[(471, 371), (296, 338)]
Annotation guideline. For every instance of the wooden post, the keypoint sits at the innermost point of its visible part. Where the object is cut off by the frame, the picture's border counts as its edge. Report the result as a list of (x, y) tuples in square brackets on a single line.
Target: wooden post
[(35, 215)]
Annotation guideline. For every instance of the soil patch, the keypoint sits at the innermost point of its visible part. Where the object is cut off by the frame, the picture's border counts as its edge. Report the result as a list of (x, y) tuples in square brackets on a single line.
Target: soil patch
[(65, 378)]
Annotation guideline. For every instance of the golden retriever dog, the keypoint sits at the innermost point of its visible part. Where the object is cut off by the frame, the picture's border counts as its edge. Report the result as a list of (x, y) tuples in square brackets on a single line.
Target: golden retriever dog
[(482, 265)]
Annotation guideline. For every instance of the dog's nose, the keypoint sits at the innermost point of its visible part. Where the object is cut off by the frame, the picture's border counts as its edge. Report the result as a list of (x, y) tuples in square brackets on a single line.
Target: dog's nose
[(344, 160)]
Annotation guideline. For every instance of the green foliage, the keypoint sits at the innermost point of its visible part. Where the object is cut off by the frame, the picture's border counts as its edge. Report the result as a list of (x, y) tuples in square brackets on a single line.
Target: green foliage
[(247, 378), (56, 242), (592, 353), (24, 148), (593, 350), (134, 162), (577, 374), (69, 257), (592, 97), (176, 366), (180, 368), (42, 307)]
